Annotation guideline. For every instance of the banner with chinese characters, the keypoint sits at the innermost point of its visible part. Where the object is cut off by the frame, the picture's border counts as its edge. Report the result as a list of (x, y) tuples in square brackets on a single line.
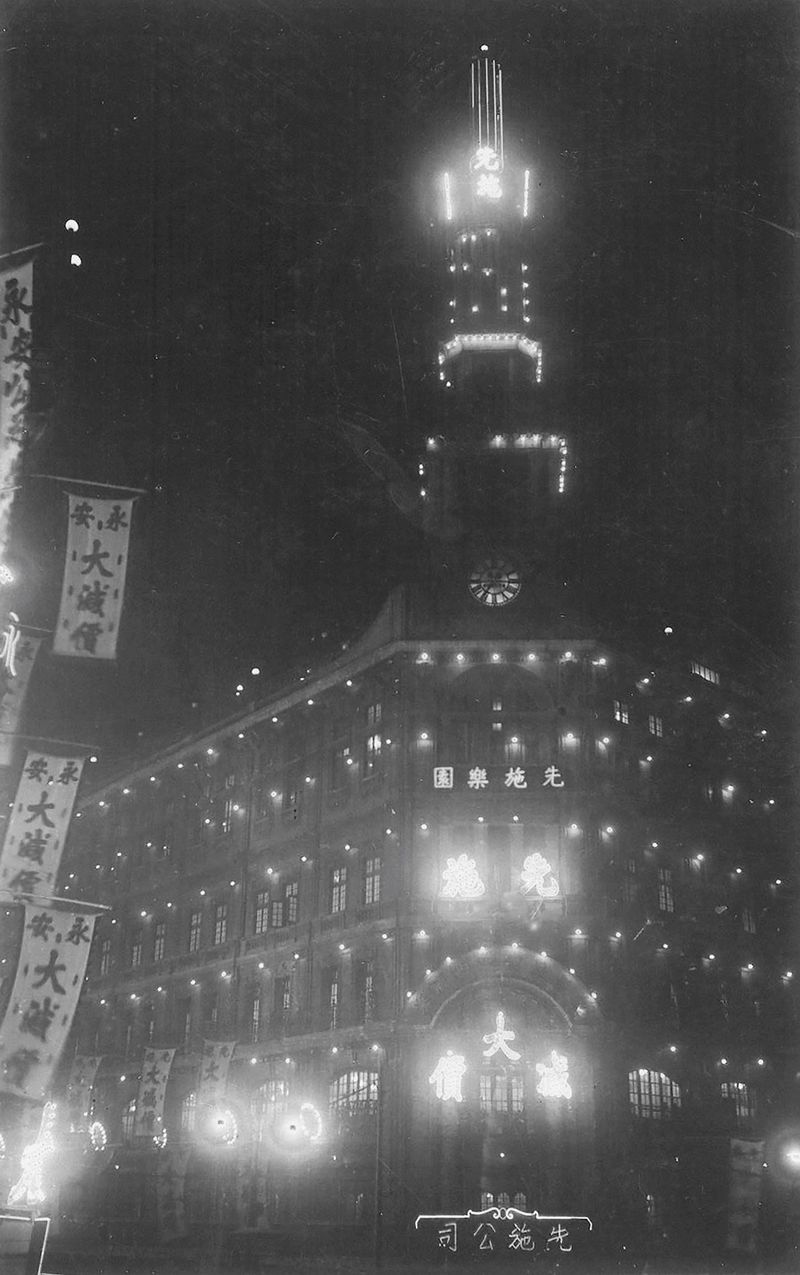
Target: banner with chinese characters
[(80, 1084), (16, 346), (52, 964), (744, 1194), (214, 1066), (503, 1232), (498, 778), (37, 829), (94, 578), (170, 1186), (152, 1089), (18, 651)]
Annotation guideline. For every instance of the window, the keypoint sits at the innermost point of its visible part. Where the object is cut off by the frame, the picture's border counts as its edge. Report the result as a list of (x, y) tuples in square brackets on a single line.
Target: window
[(290, 899), (149, 1024), (652, 1095), (374, 714), (220, 923), (666, 898), (630, 887), (497, 706), (621, 712), (136, 948), (372, 752), (267, 1103), (338, 889), (500, 1091), (514, 749), (262, 911), (708, 674), (372, 879), (748, 921), (128, 1120), (355, 1092), (195, 930), (739, 1096), (276, 914), (188, 1112), (159, 940), (185, 1020), (105, 956), (255, 1017), (655, 725), (283, 994), (227, 815), (341, 764)]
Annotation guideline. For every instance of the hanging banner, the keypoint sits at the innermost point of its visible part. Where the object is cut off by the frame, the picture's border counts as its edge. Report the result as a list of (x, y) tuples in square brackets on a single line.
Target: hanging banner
[(16, 345), (214, 1065), (37, 829), (94, 578), (80, 1084), (18, 651), (170, 1186), (48, 981), (149, 1120), (744, 1195)]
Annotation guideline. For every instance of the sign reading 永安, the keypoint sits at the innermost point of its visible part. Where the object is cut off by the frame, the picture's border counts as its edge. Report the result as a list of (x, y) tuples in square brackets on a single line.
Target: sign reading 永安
[(94, 578), (39, 823)]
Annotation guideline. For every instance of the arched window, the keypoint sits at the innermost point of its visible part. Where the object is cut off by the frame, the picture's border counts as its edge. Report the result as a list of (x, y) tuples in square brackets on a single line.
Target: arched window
[(652, 1094), (739, 1096), (355, 1092), (128, 1119), (501, 1091), (188, 1112)]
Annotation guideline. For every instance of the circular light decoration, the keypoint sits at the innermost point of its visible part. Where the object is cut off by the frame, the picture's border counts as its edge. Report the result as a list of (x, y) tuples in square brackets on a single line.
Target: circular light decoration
[(219, 1125), (494, 582), (160, 1139), (98, 1137)]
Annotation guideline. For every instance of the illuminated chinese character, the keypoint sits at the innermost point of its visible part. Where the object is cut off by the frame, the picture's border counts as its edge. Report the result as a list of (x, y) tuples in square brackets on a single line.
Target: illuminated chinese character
[(443, 776), (515, 778), (478, 777), (552, 778), (497, 1040), (448, 1237), (486, 1231), (554, 1081), (488, 186), (558, 1235), (447, 1076), (535, 871), (520, 1238), (462, 880), (8, 650), (486, 159)]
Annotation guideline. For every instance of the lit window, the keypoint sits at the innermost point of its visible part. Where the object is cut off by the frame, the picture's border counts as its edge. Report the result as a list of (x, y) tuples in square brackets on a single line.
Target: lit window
[(290, 902), (195, 930), (159, 940), (666, 898), (497, 706), (748, 921), (738, 1094), (338, 889), (372, 879), (372, 752), (262, 911), (189, 1112), (500, 1091), (341, 766), (105, 957), (621, 711), (128, 1120), (136, 948), (333, 998), (355, 1092), (365, 986), (227, 815), (283, 994), (708, 674), (374, 714), (220, 923), (655, 725), (255, 1017), (652, 1095), (276, 914)]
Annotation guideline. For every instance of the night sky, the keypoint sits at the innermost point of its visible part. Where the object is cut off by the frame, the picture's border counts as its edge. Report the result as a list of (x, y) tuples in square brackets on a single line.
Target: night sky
[(251, 182)]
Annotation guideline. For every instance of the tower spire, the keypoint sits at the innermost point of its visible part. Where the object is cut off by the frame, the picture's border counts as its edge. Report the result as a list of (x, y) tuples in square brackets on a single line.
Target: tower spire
[(486, 103)]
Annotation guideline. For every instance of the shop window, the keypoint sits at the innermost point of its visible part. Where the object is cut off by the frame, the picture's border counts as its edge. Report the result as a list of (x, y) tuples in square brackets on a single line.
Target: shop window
[(355, 1092), (742, 1101), (652, 1095)]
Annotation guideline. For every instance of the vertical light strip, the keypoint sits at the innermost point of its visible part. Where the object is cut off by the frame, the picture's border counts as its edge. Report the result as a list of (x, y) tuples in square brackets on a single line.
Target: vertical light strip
[(526, 198), (448, 203), (501, 147)]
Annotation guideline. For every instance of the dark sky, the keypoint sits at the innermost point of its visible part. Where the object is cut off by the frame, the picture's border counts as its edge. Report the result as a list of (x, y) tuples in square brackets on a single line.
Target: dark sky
[(250, 182)]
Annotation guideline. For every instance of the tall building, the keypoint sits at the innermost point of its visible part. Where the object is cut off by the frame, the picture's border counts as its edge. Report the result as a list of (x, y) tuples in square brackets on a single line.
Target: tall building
[(485, 911)]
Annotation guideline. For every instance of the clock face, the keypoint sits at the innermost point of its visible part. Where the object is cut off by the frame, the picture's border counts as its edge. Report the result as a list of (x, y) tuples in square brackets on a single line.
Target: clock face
[(494, 582)]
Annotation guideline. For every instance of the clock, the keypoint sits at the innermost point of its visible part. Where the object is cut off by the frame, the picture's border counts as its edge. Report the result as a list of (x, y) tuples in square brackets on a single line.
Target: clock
[(494, 582)]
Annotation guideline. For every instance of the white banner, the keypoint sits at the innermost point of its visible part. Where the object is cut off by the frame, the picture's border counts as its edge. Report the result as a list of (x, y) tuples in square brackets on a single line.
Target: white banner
[(80, 1084), (39, 823), (152, 1088), (94, 578), (16, 342), (214, 1065), (52, 963), (18, 651)]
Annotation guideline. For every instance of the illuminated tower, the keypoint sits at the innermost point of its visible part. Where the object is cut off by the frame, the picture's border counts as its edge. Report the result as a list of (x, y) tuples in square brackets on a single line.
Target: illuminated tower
[(497, 464)]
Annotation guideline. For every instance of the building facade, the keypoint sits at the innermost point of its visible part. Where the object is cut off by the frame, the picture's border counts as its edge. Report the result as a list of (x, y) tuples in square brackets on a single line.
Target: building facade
[(490, 910)]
